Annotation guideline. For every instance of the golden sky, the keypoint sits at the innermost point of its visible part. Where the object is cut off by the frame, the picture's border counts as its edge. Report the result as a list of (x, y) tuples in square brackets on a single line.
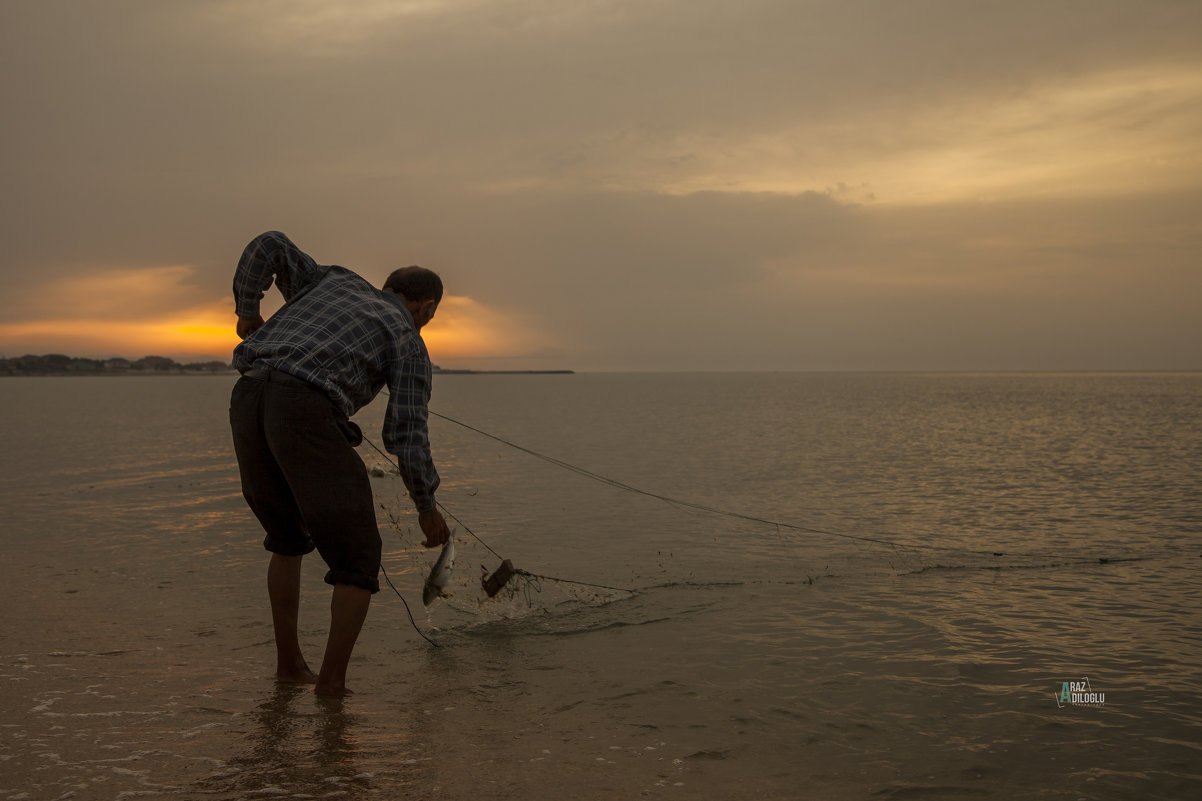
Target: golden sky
[(774, 184)]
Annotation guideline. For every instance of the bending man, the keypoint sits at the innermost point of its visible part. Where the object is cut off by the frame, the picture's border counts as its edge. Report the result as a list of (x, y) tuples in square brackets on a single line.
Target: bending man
[(327, 353)]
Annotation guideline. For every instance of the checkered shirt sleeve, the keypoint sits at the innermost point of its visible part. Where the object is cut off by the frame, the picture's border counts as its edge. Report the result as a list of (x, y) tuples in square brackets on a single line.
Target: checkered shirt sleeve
[(272, 255)]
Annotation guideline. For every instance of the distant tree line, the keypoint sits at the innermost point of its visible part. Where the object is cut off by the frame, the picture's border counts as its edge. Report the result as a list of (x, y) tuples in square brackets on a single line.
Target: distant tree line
[(58, 364)]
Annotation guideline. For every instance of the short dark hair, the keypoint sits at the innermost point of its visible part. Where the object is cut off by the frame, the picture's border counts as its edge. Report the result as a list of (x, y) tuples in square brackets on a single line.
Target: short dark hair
[(416, 284)]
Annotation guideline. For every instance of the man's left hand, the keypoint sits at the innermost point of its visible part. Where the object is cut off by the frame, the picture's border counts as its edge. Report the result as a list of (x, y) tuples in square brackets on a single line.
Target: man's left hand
[(249, 325)]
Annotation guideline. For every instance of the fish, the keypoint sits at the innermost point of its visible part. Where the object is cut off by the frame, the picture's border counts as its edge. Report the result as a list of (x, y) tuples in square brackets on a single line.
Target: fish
[(440, 574)]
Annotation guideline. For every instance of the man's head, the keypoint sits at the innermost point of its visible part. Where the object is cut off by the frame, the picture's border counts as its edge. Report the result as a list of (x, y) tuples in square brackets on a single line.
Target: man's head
[(421, 290)]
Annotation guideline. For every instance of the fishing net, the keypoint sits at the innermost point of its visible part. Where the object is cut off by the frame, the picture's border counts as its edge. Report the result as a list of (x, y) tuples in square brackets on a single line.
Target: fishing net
[(514, 592), (723, 548)]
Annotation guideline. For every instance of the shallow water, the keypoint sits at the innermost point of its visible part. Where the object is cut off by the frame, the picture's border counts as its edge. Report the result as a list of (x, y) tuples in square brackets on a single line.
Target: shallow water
[(721, 655)]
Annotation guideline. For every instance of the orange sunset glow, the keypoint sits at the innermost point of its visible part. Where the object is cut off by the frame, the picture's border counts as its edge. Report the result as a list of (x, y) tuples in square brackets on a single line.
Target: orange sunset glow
[(462, 329), (850, 186), (105, 338)]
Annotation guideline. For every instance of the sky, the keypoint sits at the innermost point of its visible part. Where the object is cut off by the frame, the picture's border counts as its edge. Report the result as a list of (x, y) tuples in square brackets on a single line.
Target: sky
[(619, 184)]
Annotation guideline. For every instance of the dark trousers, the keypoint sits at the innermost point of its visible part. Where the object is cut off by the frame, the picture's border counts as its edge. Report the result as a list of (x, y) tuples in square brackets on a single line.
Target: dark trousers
[(302, 477)]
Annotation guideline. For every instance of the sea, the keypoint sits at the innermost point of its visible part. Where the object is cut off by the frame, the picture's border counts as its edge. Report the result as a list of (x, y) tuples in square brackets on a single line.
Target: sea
[(729, 586)]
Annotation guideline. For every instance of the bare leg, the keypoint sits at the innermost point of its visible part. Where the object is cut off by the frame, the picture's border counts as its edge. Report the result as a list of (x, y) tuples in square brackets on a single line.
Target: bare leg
[(348, 610), (283, 588)]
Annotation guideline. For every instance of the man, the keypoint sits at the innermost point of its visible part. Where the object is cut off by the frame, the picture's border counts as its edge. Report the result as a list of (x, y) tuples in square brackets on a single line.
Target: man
[(327, 353)]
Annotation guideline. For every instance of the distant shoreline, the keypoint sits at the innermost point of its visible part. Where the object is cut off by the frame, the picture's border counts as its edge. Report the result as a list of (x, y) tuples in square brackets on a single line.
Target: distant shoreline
[(457, 371), (129, 374), (58, 365), (183, 370)]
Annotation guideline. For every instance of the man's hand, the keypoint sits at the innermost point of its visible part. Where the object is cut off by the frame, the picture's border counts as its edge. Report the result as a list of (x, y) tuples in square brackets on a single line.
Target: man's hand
[(434, 527), (249, 325)]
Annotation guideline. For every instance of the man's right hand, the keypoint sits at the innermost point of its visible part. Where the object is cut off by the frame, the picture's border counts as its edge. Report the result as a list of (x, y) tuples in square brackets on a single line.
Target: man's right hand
[(249, 325), (434, 527)]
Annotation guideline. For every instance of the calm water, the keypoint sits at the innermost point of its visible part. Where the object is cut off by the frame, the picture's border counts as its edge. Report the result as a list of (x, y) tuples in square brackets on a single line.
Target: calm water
[(863, 643)]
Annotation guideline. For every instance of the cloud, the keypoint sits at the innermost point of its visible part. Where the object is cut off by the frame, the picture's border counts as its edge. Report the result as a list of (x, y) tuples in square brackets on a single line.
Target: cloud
[(200, 332), (1096, 134), (105, 293), (648, 184), (160, 310), (107, 311), (467, 333), (722, 281)]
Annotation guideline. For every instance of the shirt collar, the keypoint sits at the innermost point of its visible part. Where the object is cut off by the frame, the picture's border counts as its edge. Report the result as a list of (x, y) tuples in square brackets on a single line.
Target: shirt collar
[(399, 302)]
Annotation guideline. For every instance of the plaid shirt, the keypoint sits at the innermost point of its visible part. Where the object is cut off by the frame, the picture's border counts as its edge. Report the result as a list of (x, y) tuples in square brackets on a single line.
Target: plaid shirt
[(341, 334)]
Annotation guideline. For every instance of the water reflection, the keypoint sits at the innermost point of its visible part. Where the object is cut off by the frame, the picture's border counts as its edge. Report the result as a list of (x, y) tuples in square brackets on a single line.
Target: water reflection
[(297, 745)]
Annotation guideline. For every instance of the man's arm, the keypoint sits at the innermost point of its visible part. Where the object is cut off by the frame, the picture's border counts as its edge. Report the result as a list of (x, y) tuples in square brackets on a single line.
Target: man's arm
[(406, 435), (270, 256)]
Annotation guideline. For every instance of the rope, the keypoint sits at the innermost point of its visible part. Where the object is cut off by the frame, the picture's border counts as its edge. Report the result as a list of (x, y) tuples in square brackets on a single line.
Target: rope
[(531, 580), (702, 507), (529, 575), (412, 622), (779, 524), (518, 572)]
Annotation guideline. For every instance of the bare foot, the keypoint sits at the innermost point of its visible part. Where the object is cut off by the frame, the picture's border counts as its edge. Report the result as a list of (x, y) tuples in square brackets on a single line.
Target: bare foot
[(326, 691), (301, 675)]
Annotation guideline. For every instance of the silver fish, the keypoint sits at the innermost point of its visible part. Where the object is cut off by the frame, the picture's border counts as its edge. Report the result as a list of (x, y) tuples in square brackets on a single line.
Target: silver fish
[(440, 574)]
